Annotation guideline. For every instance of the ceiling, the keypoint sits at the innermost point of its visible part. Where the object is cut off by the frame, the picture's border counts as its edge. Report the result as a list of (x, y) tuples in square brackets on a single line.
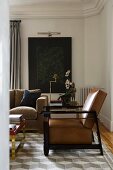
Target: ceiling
[(54, 2), (54, 8)]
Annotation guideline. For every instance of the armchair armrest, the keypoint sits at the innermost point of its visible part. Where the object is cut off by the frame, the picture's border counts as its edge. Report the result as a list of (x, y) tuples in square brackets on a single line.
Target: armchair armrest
[(68, 107), (41, 102), (87, 121), (90, 113)]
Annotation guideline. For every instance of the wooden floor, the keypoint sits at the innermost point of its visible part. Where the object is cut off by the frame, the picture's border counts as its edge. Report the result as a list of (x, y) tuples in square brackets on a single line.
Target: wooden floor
[(107, 137)]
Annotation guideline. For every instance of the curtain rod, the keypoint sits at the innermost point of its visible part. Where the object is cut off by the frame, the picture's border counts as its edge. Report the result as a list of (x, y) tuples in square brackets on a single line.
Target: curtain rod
[(15, 20)]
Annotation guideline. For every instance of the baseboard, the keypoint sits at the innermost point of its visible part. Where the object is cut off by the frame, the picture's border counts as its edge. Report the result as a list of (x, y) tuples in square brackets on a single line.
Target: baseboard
[(107, 123)]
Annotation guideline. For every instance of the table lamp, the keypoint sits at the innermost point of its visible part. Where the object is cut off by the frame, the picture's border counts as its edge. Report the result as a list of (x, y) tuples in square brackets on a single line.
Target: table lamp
[(50, 83)]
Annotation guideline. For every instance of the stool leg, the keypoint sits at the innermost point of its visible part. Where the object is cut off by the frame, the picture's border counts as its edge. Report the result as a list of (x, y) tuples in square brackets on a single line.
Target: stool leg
[(13, 147)]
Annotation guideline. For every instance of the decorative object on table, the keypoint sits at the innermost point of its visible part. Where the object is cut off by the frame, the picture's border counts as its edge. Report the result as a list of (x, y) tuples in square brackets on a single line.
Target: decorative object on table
[(55, 76), (12, 126), (70, 90), (15, 118)]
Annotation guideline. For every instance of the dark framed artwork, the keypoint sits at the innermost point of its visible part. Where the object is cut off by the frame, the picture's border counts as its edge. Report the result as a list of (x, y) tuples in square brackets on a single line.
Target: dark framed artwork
[(48, 56)]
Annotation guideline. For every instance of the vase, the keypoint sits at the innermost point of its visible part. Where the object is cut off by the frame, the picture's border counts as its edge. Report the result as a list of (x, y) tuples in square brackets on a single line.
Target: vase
[(65, 99)]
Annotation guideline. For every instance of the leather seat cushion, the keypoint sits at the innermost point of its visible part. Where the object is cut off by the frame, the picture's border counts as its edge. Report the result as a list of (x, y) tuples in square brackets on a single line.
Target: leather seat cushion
[(68, 131), (70, 135), (29, 113), (63, 122)]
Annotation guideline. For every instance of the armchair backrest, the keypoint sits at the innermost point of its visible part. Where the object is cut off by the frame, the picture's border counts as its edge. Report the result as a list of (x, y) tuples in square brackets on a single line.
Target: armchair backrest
[(94, 102)]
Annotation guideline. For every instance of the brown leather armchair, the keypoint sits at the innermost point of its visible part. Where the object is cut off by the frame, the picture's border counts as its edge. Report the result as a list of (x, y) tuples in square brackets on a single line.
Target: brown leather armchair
[(63, 133)]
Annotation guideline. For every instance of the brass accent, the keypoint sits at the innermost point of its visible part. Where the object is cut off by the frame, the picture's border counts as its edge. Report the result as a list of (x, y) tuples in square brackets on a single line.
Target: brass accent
[(55, 76), (13, 146), (13, 141), (49, 33)]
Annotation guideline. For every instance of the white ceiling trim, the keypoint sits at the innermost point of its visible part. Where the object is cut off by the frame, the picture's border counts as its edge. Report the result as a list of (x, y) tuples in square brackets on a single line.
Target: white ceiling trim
[(95, 10), (34, 11)]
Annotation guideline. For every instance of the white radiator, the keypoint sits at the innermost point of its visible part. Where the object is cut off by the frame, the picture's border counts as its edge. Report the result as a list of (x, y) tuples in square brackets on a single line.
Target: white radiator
[(82, 94)]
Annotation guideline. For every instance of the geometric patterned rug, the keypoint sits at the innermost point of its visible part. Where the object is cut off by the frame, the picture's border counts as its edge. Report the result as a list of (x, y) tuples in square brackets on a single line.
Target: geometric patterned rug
[(30, 156)]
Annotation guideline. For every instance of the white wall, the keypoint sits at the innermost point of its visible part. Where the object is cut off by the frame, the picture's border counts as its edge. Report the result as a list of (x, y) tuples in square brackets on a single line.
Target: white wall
[(98, 57), (4, 85), (106, 25), (94, 61)]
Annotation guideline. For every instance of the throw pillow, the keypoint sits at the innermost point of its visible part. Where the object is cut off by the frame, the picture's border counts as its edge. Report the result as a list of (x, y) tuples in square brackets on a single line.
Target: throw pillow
[(29, 98)]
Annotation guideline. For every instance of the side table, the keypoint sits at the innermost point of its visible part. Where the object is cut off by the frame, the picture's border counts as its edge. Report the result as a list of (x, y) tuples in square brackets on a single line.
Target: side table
[(20, 126)]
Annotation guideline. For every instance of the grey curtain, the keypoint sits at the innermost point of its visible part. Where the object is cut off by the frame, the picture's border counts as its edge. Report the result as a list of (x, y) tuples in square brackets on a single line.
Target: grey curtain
[(15, 55)]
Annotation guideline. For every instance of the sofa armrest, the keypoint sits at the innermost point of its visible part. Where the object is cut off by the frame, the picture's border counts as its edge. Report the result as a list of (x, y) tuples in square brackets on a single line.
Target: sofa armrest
[(41, 102)]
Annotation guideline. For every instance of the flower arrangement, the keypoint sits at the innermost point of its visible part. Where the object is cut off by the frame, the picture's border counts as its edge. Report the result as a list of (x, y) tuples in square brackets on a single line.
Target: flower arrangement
[(70, 90), (67, 82)]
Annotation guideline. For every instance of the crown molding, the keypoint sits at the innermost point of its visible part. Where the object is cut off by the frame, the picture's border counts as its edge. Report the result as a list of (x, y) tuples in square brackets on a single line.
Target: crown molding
[(35, 11), (95, 10)]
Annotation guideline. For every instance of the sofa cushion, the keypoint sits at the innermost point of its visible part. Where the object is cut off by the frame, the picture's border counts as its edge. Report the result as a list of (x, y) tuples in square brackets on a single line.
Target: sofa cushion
[(29, 98), (12, 98), (18, 96), (29, 113)]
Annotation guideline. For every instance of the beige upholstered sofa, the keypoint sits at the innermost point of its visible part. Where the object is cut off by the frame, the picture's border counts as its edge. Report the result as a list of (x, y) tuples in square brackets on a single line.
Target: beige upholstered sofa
[(34, 120)]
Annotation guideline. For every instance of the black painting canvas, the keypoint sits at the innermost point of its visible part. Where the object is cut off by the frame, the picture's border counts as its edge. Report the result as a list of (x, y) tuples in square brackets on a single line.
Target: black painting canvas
[(48, 56)]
